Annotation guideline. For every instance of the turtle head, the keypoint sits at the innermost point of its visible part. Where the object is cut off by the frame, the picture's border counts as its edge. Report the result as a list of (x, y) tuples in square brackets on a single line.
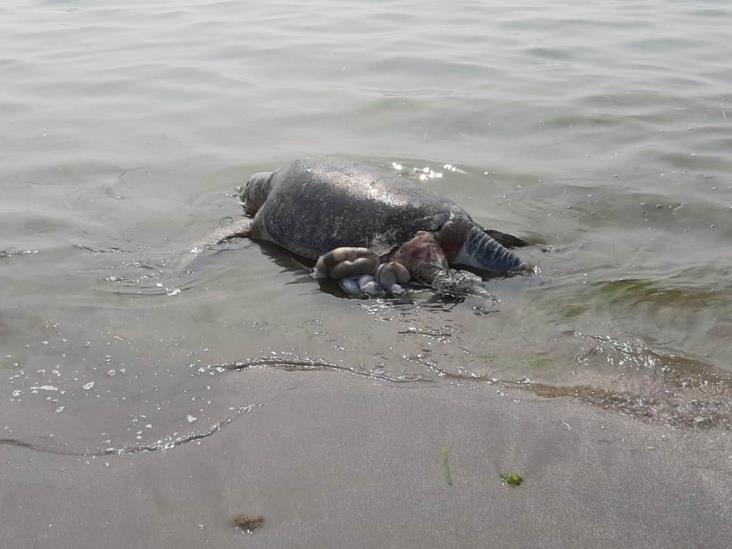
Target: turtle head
[(255, 192)]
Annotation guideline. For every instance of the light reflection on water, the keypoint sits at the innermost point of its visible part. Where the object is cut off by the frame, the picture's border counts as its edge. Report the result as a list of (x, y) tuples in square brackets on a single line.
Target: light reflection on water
[(600, 131)]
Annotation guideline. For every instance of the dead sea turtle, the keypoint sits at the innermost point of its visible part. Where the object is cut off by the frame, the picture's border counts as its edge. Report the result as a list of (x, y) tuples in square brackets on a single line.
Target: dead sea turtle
[(371, 229)]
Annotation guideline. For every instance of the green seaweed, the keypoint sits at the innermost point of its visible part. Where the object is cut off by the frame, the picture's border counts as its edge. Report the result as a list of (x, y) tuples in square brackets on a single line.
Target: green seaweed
[(446, 466), (512, 479)]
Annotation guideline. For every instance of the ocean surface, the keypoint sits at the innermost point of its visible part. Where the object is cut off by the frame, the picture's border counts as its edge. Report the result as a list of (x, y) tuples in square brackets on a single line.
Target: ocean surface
[(600, 131)]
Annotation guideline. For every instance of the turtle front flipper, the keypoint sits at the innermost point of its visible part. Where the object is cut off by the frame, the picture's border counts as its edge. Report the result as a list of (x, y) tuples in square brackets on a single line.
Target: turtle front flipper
[(241, 228)]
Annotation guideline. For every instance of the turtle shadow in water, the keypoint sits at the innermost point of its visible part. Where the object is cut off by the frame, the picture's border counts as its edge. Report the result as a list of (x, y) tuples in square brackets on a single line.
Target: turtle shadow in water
[(288, 262)]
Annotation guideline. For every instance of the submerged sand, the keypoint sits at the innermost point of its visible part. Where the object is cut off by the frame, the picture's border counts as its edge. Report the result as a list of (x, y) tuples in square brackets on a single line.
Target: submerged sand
[(340, 461)]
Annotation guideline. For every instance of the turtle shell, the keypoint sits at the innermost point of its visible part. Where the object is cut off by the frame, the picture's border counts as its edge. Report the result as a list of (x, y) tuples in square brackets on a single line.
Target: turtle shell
[(315, 206)]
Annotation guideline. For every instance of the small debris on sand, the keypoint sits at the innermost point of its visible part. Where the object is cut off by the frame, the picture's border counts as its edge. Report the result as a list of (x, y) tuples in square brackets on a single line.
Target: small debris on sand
[(247, 523)]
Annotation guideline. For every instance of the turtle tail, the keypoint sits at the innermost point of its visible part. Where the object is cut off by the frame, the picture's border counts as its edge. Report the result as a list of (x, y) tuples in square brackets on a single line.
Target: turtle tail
[(486, 253)]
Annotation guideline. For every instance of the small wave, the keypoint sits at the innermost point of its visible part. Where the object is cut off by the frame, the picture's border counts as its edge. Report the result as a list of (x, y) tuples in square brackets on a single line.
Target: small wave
[(13, 252)]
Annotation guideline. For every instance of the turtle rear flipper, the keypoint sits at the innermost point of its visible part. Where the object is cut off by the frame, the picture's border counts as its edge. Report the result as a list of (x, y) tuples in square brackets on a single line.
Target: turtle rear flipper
[(506, 240), (482, 251)]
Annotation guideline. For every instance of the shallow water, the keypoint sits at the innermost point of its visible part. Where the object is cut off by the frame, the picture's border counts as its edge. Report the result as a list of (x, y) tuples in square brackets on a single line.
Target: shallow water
[(602, 131)]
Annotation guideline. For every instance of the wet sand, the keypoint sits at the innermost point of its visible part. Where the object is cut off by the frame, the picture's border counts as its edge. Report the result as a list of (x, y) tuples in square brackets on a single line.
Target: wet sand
[(334, 460), (601, 129)]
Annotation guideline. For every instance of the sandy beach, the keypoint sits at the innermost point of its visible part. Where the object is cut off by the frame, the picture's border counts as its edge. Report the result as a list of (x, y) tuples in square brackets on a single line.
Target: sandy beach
[(332, 460)]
